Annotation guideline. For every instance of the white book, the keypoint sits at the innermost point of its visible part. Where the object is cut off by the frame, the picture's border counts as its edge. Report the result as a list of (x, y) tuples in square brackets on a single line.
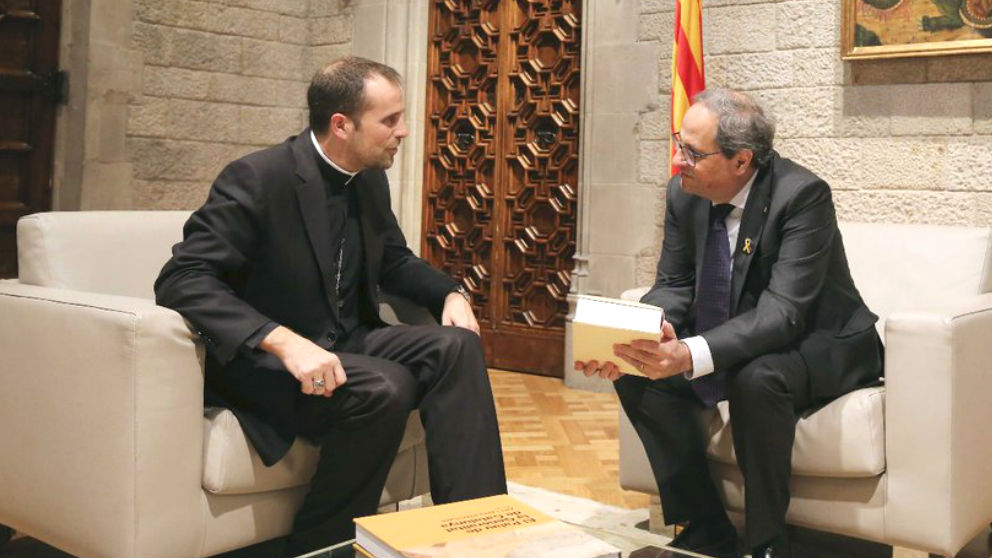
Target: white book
[(599, 323)]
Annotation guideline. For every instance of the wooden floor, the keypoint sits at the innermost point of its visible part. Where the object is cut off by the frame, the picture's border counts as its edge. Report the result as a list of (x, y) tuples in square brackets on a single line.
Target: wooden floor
[(560, 439)]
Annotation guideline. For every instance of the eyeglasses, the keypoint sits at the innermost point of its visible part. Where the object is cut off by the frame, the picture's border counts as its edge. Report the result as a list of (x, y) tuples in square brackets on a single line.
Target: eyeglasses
[(690, 155)]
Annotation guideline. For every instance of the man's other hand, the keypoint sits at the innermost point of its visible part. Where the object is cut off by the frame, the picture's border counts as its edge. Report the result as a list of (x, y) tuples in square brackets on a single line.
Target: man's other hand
[(319, 371), (458, 312), (609, 369), (606, 370)]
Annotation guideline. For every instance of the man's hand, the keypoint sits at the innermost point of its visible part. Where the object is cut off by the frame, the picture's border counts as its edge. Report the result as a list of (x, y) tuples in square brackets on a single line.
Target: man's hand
[(657, 359), (318, 371), (458, 312)]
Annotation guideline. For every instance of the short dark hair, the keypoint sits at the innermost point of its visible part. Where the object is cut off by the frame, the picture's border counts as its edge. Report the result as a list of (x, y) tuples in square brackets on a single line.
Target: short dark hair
[(340, 88), (741, 123)]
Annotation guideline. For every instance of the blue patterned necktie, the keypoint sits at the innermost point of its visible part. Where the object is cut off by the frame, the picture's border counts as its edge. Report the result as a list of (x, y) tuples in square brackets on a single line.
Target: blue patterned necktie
[(713, 297)]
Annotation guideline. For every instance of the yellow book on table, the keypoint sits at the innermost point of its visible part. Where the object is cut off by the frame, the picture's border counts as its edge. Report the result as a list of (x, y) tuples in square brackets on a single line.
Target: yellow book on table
[(496, 526), (599, 323)]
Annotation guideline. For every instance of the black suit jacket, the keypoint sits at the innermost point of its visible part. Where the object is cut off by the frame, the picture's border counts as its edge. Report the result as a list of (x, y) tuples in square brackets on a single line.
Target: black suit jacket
[(260, 250), (793, 291)]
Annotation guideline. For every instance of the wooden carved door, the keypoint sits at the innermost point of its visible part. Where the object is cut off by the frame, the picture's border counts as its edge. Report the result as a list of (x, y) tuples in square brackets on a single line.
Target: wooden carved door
[(30, 86), (501, 158)]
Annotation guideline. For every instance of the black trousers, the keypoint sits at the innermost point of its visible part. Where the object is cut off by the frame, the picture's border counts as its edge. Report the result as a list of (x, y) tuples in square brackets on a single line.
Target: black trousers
[(439, 370), (766, 396)]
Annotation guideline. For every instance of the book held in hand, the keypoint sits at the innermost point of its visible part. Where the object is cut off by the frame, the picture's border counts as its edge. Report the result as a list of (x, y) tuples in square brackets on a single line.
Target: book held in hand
[(496, 526), (599, 323)]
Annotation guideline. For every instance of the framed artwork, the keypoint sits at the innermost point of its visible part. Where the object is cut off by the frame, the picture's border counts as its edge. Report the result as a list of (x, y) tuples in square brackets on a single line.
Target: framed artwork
[(898, 28)]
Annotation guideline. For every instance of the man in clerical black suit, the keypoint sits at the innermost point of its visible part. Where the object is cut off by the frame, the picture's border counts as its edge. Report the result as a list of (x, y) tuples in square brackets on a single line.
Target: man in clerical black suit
[(760, 309), (279, 273)]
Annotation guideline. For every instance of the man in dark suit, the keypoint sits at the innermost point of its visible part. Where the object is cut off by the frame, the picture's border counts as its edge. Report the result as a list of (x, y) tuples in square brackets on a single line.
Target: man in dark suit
[(760, 309), (279, 272)]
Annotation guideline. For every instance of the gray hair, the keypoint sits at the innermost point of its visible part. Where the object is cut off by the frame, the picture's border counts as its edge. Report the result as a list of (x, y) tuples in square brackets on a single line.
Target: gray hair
[(741, 123)]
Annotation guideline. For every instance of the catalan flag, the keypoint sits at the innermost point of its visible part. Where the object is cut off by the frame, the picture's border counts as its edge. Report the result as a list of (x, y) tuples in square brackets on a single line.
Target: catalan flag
[(687, 63)]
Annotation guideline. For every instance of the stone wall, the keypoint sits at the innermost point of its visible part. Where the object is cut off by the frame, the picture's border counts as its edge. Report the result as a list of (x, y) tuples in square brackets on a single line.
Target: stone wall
[(906, 140), (220, 78), (164, 92), (616, 206), (175, 89), (91, 168)]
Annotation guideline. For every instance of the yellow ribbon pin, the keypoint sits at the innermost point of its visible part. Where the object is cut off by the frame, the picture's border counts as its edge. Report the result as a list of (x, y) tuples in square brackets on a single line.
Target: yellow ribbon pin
[(748, 248)]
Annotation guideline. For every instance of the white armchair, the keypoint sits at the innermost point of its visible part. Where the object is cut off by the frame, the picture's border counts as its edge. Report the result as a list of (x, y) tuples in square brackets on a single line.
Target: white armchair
[(106, 448), (904, 464)]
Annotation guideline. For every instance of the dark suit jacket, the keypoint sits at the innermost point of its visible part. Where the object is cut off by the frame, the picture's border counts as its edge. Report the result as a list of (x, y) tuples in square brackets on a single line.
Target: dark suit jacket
[(260, 250), (793, 291)]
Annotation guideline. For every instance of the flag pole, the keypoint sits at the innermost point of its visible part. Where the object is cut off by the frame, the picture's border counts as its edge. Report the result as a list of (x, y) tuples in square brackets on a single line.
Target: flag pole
[(688, 77)]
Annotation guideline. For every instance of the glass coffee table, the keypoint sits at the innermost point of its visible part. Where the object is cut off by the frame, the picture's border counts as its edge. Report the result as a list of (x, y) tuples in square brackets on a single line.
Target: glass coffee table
[(344, 549), (347, 549)]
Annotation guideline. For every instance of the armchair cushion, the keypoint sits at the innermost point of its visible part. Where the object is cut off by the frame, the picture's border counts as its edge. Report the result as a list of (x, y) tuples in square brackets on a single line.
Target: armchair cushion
[(109, 252), (894, 265), (846, 438), (232, 466)]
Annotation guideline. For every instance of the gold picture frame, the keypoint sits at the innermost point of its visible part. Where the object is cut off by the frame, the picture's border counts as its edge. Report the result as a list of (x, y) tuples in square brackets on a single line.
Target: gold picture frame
[(904, 28)]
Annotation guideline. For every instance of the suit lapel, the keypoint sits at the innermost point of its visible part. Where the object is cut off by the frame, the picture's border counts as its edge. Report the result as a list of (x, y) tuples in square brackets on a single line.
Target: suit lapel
[(313, 207), (752, 223)]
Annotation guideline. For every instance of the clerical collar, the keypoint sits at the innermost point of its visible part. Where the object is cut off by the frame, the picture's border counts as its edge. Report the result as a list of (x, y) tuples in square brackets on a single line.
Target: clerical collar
[(335, 166), (740, 199)]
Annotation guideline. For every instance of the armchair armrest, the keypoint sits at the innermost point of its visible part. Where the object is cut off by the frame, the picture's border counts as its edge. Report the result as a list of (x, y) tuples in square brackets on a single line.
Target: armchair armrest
[(635, 294), (938, 377), (396, 310), (101, 398)]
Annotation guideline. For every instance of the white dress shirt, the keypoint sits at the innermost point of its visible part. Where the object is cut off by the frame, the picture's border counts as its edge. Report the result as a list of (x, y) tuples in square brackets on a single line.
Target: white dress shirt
[(702, 358)]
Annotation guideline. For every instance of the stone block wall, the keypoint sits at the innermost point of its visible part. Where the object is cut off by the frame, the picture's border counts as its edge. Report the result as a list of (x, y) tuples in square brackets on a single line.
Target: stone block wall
[(905, 140), (218, 79), (620, 87), (165, 92)]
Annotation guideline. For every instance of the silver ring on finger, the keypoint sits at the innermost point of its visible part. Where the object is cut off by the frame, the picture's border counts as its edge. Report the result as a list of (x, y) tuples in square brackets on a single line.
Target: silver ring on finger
[(318, 383)]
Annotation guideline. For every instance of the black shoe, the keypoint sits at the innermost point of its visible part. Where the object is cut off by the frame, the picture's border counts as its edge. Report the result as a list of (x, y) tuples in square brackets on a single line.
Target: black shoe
[(711, 536), (778, 547)]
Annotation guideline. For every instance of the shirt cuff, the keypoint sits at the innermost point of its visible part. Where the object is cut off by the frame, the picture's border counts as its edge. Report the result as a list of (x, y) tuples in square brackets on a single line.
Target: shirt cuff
[(256, 338), (702, 359)]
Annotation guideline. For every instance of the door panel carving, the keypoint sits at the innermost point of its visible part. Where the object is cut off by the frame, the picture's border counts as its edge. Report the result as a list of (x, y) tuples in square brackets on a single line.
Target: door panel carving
[(461, 150), (502, 168)]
